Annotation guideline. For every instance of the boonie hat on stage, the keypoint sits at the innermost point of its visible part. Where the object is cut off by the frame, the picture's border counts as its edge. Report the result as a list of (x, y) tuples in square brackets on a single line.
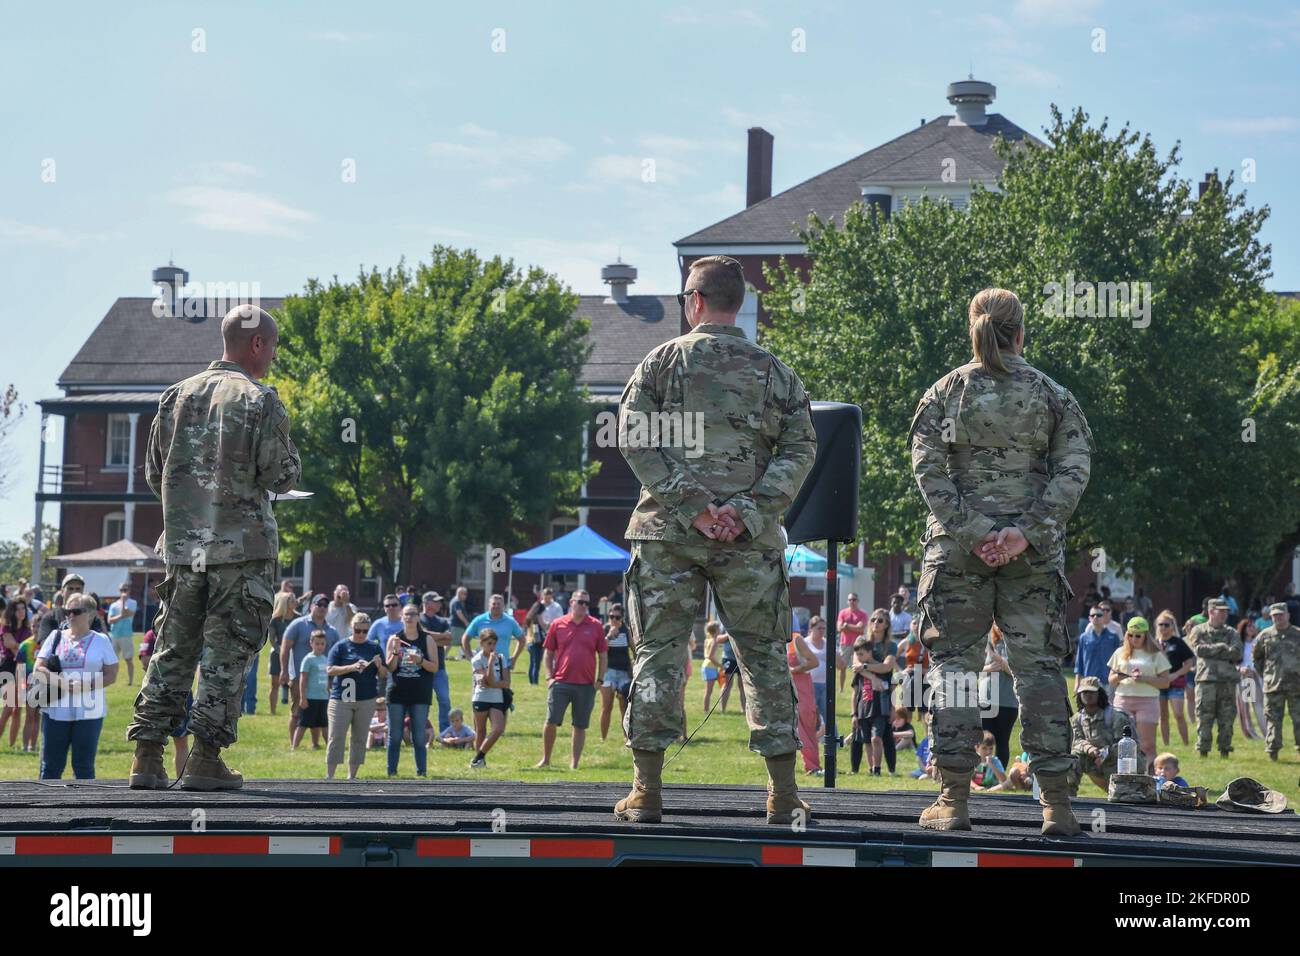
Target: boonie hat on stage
[(1278, 608), (1131, 788), (1089, 683), (1185, 798), (1138, 625), (1247, 795)]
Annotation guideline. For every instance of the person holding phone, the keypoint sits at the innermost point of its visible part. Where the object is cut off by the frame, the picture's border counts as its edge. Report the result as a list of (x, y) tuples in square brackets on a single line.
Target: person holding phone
[(411, 657), (491, 685), (355, 668)]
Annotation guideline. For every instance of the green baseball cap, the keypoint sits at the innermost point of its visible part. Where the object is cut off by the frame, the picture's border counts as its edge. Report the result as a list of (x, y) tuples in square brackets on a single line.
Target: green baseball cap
[(1138, 625)]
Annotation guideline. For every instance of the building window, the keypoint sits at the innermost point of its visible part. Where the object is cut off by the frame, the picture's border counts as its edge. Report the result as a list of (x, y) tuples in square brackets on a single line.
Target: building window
[(562, 526), (293, 573), (368, 584), (747, 318), (118, 452), (471, 569), (114, 527)]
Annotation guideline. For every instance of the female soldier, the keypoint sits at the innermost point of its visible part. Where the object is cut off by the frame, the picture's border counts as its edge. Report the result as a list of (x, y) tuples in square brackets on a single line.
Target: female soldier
[(1001, 453)]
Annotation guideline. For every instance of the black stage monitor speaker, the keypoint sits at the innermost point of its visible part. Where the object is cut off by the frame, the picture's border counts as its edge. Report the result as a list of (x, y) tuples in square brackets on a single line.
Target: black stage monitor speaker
[(827, 505)]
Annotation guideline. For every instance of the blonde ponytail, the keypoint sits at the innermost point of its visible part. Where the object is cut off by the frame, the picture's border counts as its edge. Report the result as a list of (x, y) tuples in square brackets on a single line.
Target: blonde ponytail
[(996, 315)]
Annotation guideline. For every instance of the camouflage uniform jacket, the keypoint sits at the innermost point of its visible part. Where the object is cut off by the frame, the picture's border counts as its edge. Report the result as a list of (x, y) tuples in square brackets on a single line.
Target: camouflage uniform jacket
[(1276, 656), (753, 440), (219, 443), (989, 453), (1218, 652), (1103, 729)]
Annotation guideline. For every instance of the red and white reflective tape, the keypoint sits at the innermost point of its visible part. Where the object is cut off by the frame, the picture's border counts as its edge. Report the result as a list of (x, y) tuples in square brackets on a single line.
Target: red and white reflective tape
[(783, 855), (990, 859), (500, 848), (197, 844)]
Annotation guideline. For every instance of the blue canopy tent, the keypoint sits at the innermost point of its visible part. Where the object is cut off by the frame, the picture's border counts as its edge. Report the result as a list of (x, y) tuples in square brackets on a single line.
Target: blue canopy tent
[(803, 562), (581, 550)]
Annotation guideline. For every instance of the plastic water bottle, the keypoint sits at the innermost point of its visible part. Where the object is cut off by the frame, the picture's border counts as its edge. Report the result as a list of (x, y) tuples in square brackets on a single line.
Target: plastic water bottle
[(1128, 753), (1036, 790)]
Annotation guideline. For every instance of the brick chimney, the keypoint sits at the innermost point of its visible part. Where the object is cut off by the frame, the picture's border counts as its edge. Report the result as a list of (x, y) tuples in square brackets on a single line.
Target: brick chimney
[(758, 170), (1211, 181)]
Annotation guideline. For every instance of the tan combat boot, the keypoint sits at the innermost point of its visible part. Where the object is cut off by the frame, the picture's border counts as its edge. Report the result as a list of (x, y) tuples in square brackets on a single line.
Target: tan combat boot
[(148, 772), (1054, 796), (782, 792), (644, 804), (205, 769), (951, 810)]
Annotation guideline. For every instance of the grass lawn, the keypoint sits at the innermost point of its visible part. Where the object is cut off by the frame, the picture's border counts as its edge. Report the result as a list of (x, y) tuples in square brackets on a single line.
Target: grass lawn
[(718, 753)]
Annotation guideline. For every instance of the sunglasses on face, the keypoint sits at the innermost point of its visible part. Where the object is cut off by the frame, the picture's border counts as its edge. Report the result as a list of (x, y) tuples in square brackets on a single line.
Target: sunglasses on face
[(80, 610), (615, 617), (392, 605), (1164, 624), (360, 630), (583, 603), (1095, 614)]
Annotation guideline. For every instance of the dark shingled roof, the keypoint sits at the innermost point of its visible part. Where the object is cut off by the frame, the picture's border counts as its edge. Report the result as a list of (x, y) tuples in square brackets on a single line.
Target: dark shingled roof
[(622, 334), (915, 157), (132, 348)]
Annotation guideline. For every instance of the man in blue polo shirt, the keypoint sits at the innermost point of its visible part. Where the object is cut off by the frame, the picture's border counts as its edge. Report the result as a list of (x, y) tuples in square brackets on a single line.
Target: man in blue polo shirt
[(506, 627), (388, 625), (1096, 644)]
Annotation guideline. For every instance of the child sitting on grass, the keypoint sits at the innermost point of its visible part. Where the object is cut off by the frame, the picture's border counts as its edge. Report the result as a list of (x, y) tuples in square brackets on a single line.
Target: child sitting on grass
[(456, 734), (904, 735), (989, 773), (1167, 769)]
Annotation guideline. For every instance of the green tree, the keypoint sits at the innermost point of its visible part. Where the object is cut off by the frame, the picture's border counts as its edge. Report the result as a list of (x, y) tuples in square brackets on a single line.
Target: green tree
[(11, 413), (883, 314), (16, 557), (441, 401)]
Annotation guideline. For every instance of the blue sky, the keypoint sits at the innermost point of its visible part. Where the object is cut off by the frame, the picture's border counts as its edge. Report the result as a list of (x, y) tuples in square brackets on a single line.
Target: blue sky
[(231, 159)]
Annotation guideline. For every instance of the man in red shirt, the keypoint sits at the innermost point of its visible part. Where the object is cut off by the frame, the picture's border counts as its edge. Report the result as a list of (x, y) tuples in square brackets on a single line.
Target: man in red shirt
[(851, 624), (575, 658)]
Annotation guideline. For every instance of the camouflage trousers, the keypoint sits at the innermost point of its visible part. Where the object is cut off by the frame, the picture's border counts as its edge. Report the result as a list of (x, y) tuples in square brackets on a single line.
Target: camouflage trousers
[(1274, 702), (960, 597), (1094, 773), (1216, 700), (217, 620), (665, 589)]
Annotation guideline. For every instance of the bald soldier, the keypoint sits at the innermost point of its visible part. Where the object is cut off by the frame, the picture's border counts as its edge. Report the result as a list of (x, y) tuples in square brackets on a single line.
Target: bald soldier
[(719, 433), (219, 444)]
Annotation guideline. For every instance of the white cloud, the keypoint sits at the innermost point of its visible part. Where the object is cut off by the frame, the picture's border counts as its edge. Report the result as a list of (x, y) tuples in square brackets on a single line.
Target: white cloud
[(51, 235), (1246, 127), (1057, 11), (624, 169), (236, 210), (340, 36), (789, 113), (1019, 73), (224, 172), (479, 147)]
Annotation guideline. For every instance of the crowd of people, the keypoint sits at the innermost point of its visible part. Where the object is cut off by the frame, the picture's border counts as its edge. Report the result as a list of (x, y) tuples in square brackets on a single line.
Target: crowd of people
[(352, 684), (1130, 679)]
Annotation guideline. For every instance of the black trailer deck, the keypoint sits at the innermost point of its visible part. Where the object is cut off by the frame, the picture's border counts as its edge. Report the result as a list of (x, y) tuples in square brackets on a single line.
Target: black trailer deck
[(466, 822)]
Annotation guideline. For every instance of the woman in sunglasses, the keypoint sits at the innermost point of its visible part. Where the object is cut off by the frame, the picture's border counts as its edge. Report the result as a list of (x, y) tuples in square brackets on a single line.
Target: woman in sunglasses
[(76, 664), (1181, 663)]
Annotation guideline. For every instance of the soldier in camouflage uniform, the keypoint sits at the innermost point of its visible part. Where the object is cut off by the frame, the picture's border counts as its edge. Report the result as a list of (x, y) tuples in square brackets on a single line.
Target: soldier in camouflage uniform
[(1095, 729), (219, 444), (1277, 659), (709, 514), (1002, 454), (1218, 652)]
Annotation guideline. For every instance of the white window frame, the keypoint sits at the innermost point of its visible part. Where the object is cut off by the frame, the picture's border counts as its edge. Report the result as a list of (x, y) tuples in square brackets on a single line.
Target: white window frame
[(109, 463), (366, 578), (292, 572), (119, 516)]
